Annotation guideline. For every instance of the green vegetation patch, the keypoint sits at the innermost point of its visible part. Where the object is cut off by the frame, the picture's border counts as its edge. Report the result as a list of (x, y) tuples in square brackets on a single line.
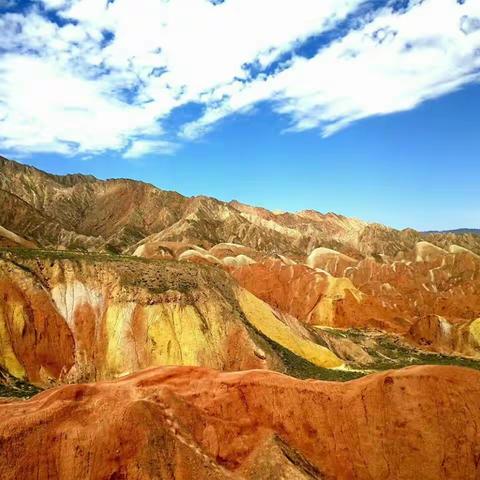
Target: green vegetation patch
[(301, 368), (47, 254), (391, 352), (12, 387)]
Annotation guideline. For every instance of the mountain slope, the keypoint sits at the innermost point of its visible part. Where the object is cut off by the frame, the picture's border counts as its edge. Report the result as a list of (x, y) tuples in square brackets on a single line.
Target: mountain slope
[(80, 317), (102, 280), (78, 211)]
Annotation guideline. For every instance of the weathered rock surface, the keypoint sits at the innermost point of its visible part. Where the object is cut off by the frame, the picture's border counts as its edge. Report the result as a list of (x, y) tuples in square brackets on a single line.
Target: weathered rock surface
[(406, 296), (361, 275), (229, 287), (192, 423), (307, 294), (78, 317), (436, 333)]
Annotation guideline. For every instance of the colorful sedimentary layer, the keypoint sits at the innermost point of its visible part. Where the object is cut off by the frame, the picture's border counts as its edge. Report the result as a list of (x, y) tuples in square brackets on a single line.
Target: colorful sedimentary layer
[(183, 423), (307, 294), (83, 318), (430, 296)]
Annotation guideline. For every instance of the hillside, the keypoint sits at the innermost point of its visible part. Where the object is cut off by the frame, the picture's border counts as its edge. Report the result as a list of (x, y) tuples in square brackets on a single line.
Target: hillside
[(189, 423), (81, 212)]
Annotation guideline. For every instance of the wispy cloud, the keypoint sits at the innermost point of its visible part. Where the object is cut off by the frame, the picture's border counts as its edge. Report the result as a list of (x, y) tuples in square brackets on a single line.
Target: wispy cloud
[(139, 148), (109, 75), (392, 63)]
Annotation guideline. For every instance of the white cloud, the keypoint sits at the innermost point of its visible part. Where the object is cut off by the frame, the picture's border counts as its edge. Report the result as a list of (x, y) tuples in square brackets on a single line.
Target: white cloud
[(144, 147), (55, 4), (45, 105), (394, 62), (110, 76)]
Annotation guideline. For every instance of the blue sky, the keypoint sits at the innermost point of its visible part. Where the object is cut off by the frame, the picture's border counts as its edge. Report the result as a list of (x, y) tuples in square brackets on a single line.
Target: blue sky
[(368, 109)]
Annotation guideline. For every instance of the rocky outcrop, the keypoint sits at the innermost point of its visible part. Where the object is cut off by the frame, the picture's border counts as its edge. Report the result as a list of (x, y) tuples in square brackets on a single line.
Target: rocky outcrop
[(191, 423), (305, 293), (436, 333), (78, 317), (319, 269), (9, 239), (330, 260), (430, 297), (318, 298)]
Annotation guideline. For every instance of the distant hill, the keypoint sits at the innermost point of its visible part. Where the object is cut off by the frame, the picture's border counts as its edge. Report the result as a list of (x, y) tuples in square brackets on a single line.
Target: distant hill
[(458, 231), (81, 212)]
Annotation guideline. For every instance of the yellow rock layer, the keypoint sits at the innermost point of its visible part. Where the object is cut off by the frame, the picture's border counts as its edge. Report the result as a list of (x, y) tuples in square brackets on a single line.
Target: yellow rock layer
[(118, 356), (324, 312), (475, 330), (163, 334), (261, 316), (8, 359), (175, 335)]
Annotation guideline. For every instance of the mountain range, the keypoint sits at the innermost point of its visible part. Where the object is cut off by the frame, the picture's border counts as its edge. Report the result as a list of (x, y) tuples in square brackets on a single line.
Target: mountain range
[(458, 231), (81, 212), (175, 337)]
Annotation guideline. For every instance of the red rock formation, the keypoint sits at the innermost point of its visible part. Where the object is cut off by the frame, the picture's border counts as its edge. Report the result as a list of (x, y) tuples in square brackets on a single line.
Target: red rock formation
[(82, 320), (436, 333), (397, 296), (330, 260), (191, 423), (316, 297), (446, 285), (36, 343), (294, 289), (73, 318)]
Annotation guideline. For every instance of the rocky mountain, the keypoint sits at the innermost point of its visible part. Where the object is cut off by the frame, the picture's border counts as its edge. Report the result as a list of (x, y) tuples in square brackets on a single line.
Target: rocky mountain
[(278, 272), (475, 231), (72, 317), (81, 212), (151, 295)]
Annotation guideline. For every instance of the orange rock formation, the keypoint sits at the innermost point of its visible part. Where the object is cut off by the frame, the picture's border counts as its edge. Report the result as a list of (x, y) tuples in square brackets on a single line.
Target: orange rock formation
[(191, 423)]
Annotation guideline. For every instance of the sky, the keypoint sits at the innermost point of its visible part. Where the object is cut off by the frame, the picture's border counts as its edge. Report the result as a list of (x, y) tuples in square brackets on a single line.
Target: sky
[(364, 108)]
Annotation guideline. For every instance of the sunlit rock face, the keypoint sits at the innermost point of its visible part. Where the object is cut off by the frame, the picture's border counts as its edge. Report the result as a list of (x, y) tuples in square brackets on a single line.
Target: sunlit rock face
[(319, 269), (307, 294), (188, 423), (431, 296), (70, 318)]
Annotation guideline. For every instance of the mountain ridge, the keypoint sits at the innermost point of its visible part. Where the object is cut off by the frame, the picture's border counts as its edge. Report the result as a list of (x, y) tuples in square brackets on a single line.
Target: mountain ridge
[(81, 212), (474, 231)]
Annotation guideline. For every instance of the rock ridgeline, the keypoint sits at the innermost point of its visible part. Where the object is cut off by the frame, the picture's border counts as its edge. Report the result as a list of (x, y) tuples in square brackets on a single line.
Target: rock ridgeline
[(183, 423)]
